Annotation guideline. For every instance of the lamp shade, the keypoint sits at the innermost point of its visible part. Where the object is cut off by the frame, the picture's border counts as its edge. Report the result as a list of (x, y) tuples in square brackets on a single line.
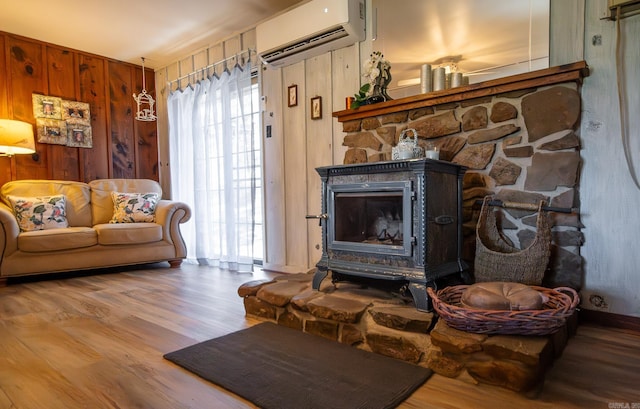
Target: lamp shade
[(16, 137)]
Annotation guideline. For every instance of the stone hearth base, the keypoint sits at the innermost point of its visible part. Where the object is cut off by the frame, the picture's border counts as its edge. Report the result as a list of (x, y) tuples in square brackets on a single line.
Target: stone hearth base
[(387, 323)]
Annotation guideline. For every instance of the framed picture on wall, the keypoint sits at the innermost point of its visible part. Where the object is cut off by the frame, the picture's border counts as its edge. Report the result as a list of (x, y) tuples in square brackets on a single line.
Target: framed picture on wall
[(76, 112), (46, 107), (79, 136), (51, 131), (292, 95), (316, 107)]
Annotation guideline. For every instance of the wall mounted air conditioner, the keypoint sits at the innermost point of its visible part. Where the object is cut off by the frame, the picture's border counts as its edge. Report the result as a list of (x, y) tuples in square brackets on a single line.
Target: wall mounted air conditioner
[(310, 30)]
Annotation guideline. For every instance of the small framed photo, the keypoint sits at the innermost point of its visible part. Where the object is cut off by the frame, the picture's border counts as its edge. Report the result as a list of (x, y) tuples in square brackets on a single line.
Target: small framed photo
[(316, 107), (51, 131), (292, 95), (79, 136), (76, 112), (46, 107)]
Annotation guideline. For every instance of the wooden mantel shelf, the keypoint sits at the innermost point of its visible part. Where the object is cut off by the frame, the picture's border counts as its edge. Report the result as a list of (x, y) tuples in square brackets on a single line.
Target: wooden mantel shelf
[(549, 76)]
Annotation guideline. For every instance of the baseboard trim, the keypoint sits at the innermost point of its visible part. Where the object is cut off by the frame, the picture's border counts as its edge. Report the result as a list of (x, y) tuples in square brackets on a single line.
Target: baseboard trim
[(608, 319)]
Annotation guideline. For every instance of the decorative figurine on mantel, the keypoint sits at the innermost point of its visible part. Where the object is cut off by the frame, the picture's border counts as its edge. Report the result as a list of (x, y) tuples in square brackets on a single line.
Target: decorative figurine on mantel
[(377, 73)]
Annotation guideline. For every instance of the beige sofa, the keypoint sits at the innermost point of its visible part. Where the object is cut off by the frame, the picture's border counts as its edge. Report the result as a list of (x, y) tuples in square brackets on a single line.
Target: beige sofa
[(89, 241)]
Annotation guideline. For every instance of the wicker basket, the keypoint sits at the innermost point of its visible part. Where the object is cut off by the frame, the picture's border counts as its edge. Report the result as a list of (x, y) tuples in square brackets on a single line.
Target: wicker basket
[(561, 305), (497, 260)]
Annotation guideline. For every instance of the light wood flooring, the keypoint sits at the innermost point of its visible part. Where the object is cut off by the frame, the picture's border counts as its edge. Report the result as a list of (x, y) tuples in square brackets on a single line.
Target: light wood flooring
[(96, 341)]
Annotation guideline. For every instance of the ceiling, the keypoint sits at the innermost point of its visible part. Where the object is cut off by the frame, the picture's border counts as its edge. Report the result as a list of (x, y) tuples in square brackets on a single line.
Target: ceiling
[(161, 31), (477, 34)]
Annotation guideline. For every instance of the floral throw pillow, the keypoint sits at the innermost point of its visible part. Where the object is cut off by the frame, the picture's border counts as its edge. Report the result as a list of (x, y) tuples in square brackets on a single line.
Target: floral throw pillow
[(39, 213), (134, 207)]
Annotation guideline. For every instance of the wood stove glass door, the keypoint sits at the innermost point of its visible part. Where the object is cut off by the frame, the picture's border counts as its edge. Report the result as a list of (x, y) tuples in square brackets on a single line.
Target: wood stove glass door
[(371, 217)]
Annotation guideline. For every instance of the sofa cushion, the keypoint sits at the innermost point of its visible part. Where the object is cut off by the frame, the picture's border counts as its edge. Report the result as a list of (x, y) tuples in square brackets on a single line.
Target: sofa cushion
[(134, 207), (39, 213), (78, 206), (128, 233), (101, 202), (57, 239)]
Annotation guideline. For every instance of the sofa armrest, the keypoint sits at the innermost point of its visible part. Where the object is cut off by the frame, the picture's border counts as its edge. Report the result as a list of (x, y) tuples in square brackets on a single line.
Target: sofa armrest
[(9, 231), (170, 214)]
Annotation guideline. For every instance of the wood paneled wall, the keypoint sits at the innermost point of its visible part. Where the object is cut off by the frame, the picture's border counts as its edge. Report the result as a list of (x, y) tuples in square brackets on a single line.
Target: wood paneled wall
[(122, 146)]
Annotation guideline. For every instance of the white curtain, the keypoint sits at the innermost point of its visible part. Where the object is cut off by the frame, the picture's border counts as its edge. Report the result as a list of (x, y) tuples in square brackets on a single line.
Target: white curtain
[(212, 133)]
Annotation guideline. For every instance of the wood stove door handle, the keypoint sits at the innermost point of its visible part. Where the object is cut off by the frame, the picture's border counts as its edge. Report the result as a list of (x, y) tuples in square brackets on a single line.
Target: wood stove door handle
[(444, 219), (321, 217)]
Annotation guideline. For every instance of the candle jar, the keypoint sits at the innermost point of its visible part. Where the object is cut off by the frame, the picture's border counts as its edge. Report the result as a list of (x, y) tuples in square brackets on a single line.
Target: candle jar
[(349, 101), (456, 79), (432, 152), (439, 78), (426, 78)]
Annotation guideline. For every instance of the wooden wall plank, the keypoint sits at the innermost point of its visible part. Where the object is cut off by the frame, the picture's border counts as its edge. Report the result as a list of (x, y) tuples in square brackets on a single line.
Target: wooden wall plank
[(186, 69), (200, 60), (216, 53), (163, 91), (121, 124), (566, 33), (25, 72), (60, 73), (92, 90), (4, 86), (274, 174), (63, 161), (345, 74), (609, 248), (249, 39), (5, 162), (232, 48), (295, 166), (172, 72), (26, 76), (319, 146)]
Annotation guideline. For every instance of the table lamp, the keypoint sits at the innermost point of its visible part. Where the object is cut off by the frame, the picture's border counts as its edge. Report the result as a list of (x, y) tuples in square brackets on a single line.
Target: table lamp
[(16, 137)]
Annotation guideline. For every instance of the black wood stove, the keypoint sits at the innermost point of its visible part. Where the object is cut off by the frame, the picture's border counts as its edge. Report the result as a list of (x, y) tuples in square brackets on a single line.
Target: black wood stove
[(399, 220)]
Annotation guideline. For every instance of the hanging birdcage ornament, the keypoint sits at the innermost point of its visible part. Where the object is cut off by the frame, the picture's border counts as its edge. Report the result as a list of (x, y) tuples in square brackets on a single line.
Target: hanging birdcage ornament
[(145, 102)]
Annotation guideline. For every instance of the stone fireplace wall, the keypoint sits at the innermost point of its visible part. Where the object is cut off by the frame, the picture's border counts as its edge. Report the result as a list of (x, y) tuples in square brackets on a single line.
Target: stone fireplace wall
[(521, 146)]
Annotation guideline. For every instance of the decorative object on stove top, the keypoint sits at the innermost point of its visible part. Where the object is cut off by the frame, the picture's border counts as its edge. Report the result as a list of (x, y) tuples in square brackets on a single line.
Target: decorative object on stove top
[(432, 151), (377, 73), (407, 148)]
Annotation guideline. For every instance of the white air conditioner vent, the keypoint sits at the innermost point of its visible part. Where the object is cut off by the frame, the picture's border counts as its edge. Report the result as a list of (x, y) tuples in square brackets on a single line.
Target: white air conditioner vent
[(309, 30), (323, 38)]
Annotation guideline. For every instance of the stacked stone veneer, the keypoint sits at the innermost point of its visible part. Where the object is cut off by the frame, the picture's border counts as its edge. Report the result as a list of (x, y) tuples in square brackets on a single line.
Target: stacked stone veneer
[(387, 323), (521, 146)]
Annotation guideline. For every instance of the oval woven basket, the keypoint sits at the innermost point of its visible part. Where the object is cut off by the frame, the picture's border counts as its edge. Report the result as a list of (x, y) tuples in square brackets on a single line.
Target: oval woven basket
[(561, 304)]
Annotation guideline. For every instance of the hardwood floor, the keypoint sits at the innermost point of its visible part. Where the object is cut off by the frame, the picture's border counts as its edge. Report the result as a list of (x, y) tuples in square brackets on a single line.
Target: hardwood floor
[(96, 341)]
